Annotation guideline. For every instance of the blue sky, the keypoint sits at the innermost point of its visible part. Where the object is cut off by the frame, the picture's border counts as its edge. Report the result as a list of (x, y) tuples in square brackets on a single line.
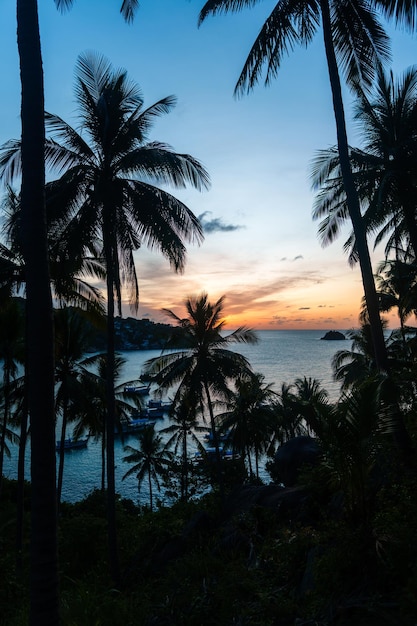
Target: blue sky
[(261, 247)]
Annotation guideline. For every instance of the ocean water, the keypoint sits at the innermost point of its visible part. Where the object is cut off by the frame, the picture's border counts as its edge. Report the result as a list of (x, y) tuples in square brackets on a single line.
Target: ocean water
[(280, 355)]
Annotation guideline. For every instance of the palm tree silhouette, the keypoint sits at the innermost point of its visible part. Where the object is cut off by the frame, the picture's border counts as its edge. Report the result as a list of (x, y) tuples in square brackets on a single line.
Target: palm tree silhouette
[(106, 190), (151, 459), (353, 41), (73, 331), (44, 559), (384, 168), (248, 419), (206, 365), (184, 426)]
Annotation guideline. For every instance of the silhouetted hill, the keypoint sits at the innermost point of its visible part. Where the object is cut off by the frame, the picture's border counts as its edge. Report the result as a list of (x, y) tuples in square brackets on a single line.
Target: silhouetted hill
[(134, 334), (131, 333)]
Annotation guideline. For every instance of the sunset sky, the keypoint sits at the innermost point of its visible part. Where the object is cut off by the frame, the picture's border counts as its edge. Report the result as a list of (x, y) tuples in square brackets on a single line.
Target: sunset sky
[(261, 248)]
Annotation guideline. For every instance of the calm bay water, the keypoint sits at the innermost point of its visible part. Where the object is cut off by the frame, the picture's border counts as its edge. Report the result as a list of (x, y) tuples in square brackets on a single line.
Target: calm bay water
[(280, 355)]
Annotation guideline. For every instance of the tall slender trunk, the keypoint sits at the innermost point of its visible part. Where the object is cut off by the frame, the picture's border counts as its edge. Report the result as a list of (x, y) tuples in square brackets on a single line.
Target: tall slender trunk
[(6, 391), (352, 198), (62, 449), (111, 410), (103, 460), (21, 480), (185, 470), (150, 489), (40, 342), (219, 469)]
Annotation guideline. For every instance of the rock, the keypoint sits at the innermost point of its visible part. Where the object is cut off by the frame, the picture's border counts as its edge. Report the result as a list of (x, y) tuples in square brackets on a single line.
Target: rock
[(333, 335), (292, 455)]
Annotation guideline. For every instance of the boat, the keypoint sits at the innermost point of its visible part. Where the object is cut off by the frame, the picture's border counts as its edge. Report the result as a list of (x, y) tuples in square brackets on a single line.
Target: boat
[(139, 390), (226, 454), (72, 444), (221, 437), (156, 408), (133, 425)]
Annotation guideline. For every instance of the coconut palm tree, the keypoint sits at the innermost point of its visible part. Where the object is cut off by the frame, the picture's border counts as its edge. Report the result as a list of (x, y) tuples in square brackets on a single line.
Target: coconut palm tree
[(313, 404), (106, 190), (397, 288), (353, 366), (288, 422), (44, 560), (73, 257), (353, 41), (73, 331), (182, 430), (356, 446), (206, 365), (90, 411), (248, 419), (384, 168), (151, 459)]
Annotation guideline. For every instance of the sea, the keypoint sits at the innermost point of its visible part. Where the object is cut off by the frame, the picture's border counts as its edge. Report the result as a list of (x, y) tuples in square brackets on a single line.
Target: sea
[(281, 356)]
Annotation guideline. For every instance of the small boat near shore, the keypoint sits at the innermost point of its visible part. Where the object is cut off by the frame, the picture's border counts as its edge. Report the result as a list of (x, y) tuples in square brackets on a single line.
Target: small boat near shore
[(139, 390), (133, 425), (72, 444), (157, 408), (209, 454)]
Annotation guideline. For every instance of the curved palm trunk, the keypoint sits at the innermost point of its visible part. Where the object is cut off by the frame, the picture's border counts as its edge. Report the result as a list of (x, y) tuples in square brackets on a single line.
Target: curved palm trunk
[(40, 356), (368, 282)]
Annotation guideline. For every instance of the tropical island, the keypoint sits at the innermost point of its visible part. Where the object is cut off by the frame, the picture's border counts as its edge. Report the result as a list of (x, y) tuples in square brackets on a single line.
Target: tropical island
[(333, 335), (328, 538)]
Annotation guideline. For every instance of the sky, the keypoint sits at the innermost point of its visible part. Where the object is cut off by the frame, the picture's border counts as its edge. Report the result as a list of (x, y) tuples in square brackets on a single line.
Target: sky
[(261, 248)]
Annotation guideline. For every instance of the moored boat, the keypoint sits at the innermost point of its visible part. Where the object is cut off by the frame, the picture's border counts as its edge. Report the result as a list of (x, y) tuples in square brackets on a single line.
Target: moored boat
[(72, 444), (133, 425), (139, 390)]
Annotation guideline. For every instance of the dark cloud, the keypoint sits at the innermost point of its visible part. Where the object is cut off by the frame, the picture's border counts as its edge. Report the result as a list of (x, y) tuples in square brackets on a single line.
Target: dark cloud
[(216, 224), (304, 308), (296, 258)]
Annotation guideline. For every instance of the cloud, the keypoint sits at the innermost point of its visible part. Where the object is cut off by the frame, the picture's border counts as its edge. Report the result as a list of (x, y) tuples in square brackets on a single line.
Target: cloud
[(304, 308), (296, 258), (216, 224)]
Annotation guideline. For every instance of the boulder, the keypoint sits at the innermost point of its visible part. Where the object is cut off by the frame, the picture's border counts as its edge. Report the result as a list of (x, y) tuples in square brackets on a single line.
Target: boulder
[(333, 335), (292, 456)]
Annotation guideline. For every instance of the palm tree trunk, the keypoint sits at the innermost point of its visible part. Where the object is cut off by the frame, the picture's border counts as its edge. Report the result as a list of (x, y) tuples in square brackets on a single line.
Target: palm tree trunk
[(215, 440), (6, 391), (62, 454), (371, 297), (21, 481), (111, 410), (185, 463), (150, 489), (103, 461), (40, 355)]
